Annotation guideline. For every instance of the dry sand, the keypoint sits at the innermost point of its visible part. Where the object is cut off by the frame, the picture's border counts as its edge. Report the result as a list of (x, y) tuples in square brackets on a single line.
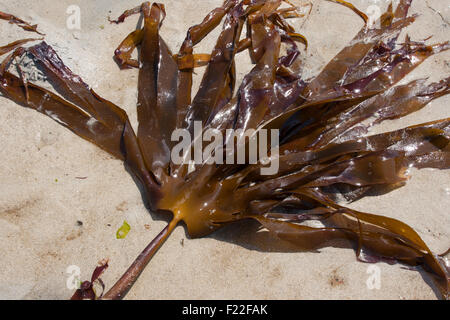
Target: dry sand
[(42, 196)]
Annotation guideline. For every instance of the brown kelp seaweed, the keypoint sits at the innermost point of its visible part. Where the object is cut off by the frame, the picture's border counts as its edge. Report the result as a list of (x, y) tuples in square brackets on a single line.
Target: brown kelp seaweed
[(324, 152), (17, 21)]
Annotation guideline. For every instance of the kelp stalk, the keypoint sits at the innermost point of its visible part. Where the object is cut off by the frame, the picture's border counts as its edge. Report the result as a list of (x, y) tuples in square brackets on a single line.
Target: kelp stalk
[(121, 287)]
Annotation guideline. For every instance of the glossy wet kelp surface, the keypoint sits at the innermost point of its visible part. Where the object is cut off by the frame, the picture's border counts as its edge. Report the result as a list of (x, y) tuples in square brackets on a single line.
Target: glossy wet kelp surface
[(326, 157)]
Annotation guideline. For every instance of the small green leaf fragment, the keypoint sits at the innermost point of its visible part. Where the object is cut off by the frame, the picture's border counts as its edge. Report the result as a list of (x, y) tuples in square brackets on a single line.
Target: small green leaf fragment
[(123, 230)]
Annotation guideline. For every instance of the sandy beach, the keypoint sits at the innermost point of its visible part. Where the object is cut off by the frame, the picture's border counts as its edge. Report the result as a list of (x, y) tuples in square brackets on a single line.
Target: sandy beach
[(62, 199)]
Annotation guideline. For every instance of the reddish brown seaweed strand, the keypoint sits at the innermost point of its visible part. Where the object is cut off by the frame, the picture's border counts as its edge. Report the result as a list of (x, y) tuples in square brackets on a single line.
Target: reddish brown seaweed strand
[(326, 155), (21, 23)]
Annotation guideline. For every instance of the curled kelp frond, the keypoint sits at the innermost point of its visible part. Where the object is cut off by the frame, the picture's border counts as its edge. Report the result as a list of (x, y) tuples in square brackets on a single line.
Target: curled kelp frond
[(324, 154)]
